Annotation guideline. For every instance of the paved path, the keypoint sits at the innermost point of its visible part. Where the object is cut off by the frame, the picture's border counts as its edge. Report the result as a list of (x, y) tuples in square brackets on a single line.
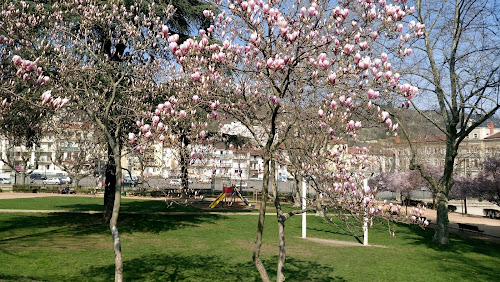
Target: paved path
[(491, 227)]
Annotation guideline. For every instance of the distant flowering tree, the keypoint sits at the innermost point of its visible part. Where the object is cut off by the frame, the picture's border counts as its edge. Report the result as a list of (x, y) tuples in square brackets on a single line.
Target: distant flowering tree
[(488, 181), (181, 122), (266, 63)]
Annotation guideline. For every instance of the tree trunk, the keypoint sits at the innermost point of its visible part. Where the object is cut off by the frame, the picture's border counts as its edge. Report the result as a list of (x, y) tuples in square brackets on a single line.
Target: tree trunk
[(23, 177), (297, 201), (110, 185), (76, 182), (465, 204), (184, 162), (441, 233), (281, 225), (114, 216), (260, 226), (282, 255)]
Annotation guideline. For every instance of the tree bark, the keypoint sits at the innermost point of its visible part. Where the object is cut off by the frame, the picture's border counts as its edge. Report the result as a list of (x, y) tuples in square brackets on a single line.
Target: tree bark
[(443, 188), (281, 225), (297, 202), (280, 276), (262, 217), (114, 216), (465, 205), (110, 185), (23, 177), (184, 162), (441, 233)]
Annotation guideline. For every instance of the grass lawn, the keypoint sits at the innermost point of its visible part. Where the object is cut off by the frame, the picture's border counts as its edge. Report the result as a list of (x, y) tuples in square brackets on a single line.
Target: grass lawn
[(203, 247)]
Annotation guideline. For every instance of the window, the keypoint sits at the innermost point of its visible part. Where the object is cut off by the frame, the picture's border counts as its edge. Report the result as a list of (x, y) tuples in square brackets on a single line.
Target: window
[(475, 135)]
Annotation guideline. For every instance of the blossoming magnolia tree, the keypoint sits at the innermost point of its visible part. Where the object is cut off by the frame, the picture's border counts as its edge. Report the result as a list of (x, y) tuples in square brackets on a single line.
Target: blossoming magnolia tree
[(179, 122), (22, 121), (101, 59), (266, 63)]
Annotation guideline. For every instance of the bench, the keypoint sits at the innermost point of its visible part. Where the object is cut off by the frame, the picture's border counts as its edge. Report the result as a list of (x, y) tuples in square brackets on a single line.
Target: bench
[(462, 226)]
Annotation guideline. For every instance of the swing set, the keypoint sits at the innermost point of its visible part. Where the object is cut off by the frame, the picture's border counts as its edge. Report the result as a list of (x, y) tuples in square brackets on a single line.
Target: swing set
[(229, 192)]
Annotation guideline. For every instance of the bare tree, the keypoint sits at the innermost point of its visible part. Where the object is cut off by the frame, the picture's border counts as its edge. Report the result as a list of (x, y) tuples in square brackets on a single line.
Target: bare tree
[(458, 74)]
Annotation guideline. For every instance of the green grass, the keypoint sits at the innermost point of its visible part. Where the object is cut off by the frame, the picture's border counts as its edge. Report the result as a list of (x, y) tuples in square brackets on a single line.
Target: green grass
[(202, 247), (89, 204), (96, 204)]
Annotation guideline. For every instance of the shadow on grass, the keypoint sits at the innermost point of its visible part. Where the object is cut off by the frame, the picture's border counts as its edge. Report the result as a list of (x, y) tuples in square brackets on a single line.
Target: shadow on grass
[(176, 267), (39, 226), (468, 256), (134, 206), (19, 278), (151, 206)]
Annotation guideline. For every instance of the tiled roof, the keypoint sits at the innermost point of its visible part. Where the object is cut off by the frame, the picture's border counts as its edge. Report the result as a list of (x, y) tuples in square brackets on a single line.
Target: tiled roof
[(494, 136)]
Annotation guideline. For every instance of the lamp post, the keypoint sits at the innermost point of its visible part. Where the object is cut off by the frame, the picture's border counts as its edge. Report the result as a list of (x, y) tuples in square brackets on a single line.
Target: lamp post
[(304, 214)]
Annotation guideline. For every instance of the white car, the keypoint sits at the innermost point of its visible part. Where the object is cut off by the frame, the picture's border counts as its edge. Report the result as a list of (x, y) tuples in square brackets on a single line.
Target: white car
[(175, 181), (53, 180), (66, 180), (4, 180), (205, 180)]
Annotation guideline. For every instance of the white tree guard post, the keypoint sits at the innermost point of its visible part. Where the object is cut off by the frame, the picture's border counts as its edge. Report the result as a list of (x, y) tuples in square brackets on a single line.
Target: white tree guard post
[(304, 215), (365, 219)]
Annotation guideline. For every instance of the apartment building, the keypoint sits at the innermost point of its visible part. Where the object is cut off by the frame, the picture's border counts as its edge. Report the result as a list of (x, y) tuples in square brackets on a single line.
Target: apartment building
[(395, 155)]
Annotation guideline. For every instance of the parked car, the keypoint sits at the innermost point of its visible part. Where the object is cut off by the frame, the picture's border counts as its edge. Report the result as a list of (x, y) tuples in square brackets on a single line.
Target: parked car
[(127, 182), (54, 180), (5, 180), (205, 180), (175, 181), (136, 179), (38, 176), (66, 180), (282, 178), (241, 184)]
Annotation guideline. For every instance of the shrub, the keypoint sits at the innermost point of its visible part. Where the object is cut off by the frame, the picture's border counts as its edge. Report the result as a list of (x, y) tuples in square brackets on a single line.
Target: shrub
[(83, 190), (25, 188), (452, 208)]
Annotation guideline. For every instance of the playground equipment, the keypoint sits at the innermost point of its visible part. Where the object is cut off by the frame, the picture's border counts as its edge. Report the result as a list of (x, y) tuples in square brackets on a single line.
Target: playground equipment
[(229, 191)]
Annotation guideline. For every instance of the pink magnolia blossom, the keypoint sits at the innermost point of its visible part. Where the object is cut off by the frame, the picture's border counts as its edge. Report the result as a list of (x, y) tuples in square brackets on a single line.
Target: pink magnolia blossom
[(357, 125), (388, 122), (333, 104), (331, 77), (384, 115), (383, 56), (131, 137), (342, 99), (320, 113), (164, 30)]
